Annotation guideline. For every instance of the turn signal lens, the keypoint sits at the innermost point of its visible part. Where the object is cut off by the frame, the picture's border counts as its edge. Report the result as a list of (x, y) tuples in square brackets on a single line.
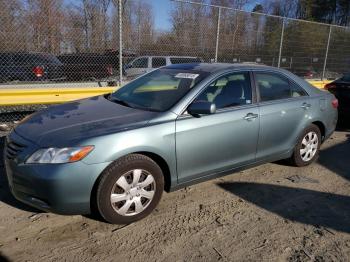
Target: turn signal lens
[(81, 154)]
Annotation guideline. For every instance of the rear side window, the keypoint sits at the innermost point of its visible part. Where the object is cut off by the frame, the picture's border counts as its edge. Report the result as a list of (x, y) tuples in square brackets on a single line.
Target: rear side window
[(5, 59), (275, 87), (184, 60), (296, 90), (158, 62), (140, 63)]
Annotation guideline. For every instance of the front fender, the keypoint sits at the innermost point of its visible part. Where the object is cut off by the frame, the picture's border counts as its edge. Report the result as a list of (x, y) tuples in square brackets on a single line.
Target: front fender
[(156, 139)]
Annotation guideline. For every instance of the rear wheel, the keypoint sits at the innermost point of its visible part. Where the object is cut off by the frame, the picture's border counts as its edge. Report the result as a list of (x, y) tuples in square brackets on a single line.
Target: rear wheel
[(129, 189), (307, 149)]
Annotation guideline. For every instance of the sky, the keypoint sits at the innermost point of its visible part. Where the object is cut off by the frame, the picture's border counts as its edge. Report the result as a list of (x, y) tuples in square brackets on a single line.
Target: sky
[(161, 9)]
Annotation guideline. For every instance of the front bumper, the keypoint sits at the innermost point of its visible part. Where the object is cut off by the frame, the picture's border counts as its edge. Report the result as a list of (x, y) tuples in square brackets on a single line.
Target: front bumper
[(58, 188)]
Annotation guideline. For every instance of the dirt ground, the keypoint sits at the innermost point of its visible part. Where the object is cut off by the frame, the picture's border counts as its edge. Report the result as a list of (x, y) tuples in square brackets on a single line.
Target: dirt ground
[(273, 212)]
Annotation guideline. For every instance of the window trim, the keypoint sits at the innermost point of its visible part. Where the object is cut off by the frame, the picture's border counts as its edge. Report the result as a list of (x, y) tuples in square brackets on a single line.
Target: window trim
[(281, 75), (231, 108)]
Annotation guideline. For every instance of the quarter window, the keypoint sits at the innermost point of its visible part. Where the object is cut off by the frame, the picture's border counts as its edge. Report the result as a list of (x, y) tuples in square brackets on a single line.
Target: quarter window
[(227, 91)]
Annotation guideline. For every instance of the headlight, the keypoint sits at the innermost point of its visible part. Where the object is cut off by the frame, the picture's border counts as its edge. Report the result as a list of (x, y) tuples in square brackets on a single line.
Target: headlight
[(59, 155)]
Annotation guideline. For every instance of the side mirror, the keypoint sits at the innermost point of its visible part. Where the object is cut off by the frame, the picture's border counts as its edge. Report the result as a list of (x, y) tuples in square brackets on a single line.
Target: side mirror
[(201, 108)]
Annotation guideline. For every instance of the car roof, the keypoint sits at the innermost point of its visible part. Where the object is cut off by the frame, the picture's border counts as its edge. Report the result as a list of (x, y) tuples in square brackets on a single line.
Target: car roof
[(215, 67)]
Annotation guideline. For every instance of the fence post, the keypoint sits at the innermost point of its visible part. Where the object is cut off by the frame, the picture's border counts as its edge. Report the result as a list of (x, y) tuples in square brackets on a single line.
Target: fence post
[(326, 56), (217, 36), (281, 44), (120, 43)]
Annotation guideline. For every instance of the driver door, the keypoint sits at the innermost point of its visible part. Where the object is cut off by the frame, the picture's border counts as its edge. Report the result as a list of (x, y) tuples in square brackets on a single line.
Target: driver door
[(223, 140)]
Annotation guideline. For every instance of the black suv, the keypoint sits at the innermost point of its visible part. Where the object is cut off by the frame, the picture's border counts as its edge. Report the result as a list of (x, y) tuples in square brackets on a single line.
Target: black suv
[(93, 66), (25, 66)]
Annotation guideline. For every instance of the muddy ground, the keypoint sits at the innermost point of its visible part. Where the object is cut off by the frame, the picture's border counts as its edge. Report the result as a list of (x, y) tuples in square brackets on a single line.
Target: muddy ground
[(273, 212)]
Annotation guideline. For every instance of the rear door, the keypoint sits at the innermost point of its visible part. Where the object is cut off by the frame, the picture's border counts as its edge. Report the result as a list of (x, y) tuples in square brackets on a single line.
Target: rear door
[(283, 108), (224, 140)]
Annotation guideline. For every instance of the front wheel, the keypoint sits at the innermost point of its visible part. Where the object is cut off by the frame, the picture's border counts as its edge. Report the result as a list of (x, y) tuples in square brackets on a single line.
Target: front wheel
[(129, 189), (307, 148)]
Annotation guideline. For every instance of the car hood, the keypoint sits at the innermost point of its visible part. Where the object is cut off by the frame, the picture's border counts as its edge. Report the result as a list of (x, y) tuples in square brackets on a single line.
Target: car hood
[(70, 123)]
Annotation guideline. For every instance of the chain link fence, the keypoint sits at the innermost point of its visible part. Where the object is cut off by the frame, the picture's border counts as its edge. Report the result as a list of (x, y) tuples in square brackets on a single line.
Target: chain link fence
[(66, 43), (212, 33)]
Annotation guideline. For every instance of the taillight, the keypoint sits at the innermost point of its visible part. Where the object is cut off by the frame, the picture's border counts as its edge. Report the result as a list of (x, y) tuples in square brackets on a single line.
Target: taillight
[(330, 86), (110, 70), (309, 74), (335, 103), (38, 71)]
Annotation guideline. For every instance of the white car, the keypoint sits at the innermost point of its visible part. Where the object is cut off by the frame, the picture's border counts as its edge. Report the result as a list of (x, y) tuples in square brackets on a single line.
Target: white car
[(145, 64)]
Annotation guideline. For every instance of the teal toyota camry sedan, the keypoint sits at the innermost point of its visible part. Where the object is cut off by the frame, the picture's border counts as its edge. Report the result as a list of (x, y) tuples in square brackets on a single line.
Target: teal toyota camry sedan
[(178, 125)]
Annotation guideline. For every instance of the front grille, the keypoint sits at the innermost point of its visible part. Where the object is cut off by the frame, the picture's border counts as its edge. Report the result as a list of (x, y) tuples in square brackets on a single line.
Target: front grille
[(13, 149)]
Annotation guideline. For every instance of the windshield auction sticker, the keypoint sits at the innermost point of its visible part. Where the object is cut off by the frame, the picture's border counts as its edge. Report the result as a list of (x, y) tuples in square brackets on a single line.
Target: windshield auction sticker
[(187, 75)]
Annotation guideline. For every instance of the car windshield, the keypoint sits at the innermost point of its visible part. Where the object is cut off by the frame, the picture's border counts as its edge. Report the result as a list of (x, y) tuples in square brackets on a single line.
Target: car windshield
[(158, 90)]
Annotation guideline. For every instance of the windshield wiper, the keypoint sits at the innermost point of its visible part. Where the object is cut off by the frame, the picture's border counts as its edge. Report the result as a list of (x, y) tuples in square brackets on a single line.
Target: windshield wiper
[(119, 101), (124, 103)]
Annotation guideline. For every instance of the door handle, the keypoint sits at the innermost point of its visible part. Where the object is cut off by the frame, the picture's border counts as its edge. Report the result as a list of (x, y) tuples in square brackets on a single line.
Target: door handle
[(305, 106), (250, 116)]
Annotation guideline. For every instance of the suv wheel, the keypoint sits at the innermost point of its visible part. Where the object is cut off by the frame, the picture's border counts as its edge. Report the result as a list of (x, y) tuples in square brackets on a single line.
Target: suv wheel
[(307, 149), (129, 189)]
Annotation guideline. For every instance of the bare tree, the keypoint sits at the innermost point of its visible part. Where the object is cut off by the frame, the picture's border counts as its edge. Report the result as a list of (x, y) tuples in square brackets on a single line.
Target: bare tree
[(12, 26)]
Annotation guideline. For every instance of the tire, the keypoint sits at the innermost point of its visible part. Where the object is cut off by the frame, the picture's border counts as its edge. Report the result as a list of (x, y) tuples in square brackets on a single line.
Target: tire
[(129, 189), (306, 151)]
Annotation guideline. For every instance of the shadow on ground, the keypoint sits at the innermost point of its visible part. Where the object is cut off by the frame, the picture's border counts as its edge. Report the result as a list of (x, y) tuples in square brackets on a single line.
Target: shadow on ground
[(3, 258), (336, 158), (303, 205), (5, 193), (300, 205)]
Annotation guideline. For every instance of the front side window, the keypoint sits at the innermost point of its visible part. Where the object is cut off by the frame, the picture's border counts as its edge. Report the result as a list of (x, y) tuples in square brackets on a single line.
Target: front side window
[(227, 91), (158, 90), (140, 63), (158, 62)]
